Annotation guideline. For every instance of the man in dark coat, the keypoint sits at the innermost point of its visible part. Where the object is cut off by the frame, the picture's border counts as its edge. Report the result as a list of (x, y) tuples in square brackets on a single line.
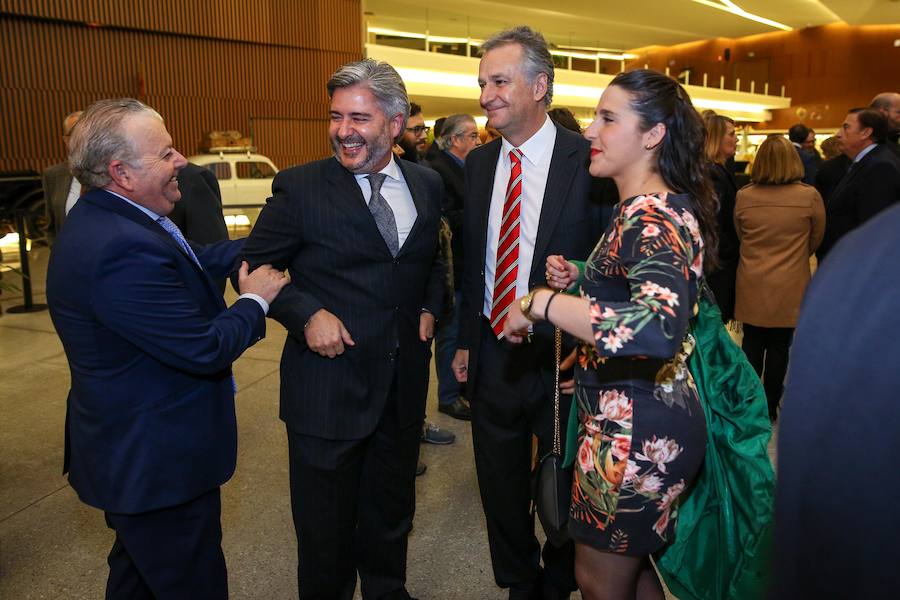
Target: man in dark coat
[(359, 234)]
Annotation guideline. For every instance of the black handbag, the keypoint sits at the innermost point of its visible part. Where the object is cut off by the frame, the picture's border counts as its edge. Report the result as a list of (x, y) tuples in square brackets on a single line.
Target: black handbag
[(553, 483)]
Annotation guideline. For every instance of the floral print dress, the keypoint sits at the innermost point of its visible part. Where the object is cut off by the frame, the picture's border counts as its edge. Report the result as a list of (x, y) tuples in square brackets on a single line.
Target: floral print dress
[(641, 433)]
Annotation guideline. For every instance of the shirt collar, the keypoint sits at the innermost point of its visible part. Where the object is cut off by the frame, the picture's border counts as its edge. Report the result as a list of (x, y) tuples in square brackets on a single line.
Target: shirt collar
[(536, 149), (392, 170), (863, 153), (143, 209)]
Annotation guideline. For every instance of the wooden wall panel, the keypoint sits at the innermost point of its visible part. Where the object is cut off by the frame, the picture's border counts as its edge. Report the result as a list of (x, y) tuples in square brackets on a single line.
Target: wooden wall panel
[(324, 24), (825, 70), (51, 67)]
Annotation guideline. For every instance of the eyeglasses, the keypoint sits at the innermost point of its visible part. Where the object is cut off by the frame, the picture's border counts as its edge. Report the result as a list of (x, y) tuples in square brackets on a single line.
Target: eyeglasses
[(419, 129), (472, 136)]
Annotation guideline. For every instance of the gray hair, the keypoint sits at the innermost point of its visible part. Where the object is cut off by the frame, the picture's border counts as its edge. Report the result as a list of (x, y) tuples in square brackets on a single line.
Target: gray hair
[(98, 139), (76, 114), (535, 52), (453, 125), (382, 80)]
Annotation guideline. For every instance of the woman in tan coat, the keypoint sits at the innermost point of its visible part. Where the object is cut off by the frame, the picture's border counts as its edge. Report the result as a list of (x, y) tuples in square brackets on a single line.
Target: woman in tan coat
[(780, 223)]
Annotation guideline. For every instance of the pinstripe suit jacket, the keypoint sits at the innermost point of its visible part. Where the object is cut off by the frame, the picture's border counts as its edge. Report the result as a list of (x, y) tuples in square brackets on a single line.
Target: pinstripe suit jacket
[(318, 226)]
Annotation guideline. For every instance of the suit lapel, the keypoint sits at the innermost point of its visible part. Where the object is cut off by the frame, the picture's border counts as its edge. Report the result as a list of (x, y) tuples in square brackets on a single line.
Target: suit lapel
[(851, 174), (563, 168), (113, 203), (345, 194), (487, 161), (419, 194)]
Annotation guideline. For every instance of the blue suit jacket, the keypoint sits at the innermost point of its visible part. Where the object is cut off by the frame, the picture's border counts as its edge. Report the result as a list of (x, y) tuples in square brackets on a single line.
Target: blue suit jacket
[(839, 437), (150, 343)]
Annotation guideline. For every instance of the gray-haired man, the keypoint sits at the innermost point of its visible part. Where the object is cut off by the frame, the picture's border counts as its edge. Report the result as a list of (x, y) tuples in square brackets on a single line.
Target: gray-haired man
[(359, 234), (508, 238)]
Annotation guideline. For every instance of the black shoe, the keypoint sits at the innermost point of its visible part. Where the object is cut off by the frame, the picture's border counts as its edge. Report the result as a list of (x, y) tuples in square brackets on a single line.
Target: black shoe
[(421, 468), (460, 409), (432, 434)]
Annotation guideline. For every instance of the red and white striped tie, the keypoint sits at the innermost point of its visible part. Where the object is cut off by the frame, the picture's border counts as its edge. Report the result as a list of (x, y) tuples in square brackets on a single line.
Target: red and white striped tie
[(507, 267)]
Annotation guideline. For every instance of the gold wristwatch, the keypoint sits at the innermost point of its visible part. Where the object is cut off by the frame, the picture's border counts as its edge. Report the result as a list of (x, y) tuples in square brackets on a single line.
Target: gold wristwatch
[(525, 303)]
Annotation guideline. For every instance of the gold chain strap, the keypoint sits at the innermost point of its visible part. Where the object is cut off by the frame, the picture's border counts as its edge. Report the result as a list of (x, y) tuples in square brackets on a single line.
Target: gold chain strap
[(557, 446)]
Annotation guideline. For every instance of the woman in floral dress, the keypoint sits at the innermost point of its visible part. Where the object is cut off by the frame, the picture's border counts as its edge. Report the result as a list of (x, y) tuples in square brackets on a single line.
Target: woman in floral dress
[(642, 432)]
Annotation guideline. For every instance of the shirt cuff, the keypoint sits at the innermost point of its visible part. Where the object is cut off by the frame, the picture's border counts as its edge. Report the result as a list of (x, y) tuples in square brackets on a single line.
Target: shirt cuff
[(258, 299)]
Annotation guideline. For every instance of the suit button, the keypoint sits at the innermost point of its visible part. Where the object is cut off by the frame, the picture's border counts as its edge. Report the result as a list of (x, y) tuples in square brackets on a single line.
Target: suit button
[(397, 308), (396, 261)]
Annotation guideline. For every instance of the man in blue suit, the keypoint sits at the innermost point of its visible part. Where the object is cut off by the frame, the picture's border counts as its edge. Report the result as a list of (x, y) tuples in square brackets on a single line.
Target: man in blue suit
[(150, 426)]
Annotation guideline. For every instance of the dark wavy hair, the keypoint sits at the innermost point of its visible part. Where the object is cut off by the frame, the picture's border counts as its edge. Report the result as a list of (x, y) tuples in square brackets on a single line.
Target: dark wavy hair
[(680, 158)]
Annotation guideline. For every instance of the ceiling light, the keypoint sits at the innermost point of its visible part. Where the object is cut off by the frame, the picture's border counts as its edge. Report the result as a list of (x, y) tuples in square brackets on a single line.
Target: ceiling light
[(731, 7)]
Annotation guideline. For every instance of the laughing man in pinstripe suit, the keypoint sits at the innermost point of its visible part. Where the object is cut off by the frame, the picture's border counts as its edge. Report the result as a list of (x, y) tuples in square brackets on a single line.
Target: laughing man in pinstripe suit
[(359, 234)]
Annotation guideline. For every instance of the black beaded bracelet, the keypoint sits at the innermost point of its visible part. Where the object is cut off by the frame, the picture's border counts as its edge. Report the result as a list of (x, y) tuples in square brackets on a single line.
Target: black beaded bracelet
[(547, 306)]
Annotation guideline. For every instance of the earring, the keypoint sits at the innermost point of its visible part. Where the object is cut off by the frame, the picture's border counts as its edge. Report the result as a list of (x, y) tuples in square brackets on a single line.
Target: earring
[(648, 147)]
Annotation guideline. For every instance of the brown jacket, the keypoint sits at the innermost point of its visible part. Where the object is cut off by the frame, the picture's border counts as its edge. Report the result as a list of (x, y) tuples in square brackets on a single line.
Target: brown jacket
[(780, 226)]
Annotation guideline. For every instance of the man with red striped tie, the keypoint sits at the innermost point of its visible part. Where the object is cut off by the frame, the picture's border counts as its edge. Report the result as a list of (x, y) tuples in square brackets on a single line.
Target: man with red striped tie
[(528, 195)]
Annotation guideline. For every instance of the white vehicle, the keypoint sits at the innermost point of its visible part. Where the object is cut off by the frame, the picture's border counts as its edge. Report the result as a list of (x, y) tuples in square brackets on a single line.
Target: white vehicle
[(244, 178)]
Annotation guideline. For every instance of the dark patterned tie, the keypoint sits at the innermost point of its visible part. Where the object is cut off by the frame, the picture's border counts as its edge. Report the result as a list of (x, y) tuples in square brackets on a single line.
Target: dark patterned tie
[(384, 216)]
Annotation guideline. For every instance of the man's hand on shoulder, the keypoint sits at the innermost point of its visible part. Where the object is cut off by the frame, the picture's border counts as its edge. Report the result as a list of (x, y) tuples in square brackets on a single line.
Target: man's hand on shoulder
[(326, 334), (264, 281)]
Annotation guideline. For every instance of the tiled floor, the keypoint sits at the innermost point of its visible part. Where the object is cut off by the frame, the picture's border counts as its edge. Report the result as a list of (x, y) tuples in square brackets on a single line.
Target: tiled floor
[(53, 546)]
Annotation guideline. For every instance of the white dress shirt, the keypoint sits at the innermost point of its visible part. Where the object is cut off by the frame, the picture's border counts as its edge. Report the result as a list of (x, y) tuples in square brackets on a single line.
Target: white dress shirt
[(395, 191), (536, 154), (74, 194)]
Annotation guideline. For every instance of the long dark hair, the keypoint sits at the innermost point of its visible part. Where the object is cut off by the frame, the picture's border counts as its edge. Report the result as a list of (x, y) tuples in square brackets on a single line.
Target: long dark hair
[(680, 158)]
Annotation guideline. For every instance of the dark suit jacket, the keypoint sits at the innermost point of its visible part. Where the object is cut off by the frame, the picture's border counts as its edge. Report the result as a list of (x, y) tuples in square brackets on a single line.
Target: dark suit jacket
[(56, 181), (150, 344), (317, 225), (839, 423), (570, 224), (830, 174), (870, 186), (199, 212), (722, 281), (454, 200), (811, 161)]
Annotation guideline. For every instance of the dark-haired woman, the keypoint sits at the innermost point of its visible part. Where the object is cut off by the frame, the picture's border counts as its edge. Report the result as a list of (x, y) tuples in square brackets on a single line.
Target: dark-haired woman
[(721, 145), (642, 432)]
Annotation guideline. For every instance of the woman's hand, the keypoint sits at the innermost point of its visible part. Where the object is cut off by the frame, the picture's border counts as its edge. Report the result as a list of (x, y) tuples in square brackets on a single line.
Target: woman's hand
[(516, 327), (561, 274)]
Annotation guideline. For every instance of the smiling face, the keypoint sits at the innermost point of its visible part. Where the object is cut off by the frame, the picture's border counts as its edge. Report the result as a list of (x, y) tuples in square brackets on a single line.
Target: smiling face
[(361, 134), (513, 105), (150, 176), (618, 146)]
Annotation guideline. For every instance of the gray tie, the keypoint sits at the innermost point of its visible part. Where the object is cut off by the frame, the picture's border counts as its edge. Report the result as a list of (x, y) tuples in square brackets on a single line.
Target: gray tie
[(384, 216)]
